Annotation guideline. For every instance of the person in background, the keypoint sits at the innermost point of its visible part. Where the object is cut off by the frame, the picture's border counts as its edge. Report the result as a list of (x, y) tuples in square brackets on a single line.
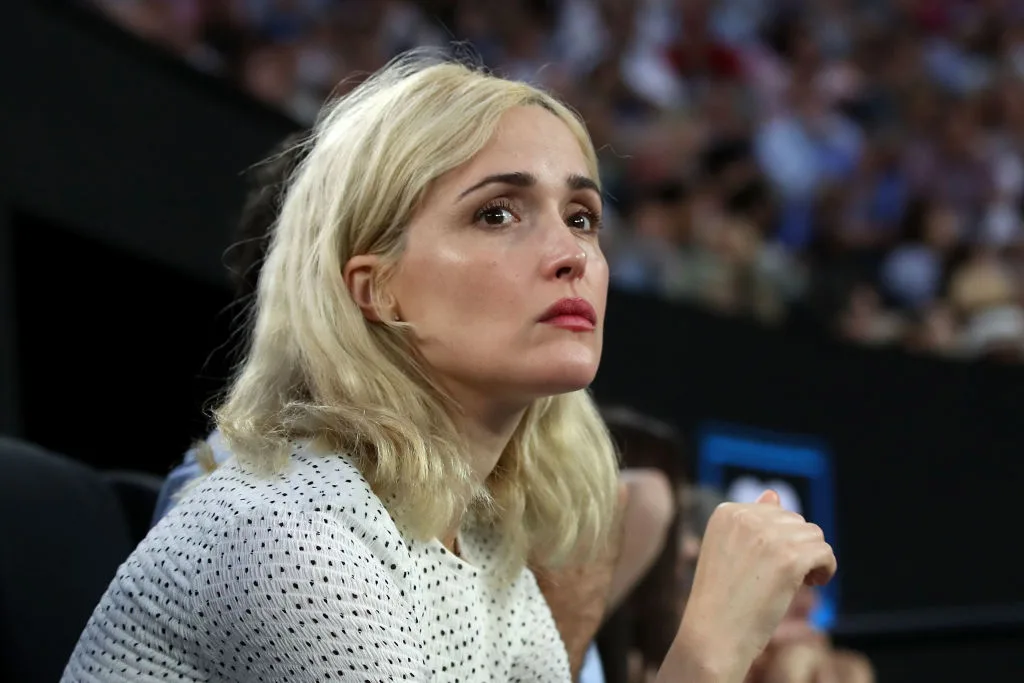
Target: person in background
[(582, 599), (638, 631), (635, 636), (639, 628), (799, 653), (912, 274), (855, 110)]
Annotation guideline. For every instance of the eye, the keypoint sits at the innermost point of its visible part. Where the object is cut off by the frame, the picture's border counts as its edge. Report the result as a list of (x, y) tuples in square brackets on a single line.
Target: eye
[(584, 221), (496, 215)]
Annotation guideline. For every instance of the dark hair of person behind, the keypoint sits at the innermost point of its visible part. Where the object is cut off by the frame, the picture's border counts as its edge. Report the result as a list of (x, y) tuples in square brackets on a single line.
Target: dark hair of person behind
[(749, 199), (719, 155), (648, 618), (266, 184)]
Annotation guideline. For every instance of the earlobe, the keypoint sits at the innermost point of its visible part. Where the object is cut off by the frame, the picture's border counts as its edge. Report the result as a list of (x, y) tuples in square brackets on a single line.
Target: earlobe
[(360, 273)]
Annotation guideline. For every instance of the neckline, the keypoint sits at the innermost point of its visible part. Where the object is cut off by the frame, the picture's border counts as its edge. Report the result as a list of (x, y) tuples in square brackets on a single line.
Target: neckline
[(464, 561)]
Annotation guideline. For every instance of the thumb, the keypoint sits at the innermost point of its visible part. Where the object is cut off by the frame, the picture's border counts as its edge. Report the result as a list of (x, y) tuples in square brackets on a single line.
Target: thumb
[(769, 497)]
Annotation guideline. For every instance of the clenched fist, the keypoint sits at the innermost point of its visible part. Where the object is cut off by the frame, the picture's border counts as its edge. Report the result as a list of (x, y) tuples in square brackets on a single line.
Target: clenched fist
[(753, 560)]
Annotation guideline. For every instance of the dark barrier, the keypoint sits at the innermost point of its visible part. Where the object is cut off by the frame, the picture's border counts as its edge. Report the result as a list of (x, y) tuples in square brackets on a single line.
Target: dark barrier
[(926, 453), (120, 177)]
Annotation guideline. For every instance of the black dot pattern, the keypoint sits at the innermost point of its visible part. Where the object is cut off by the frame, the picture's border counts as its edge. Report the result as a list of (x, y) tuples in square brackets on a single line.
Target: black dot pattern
[(305, 577)]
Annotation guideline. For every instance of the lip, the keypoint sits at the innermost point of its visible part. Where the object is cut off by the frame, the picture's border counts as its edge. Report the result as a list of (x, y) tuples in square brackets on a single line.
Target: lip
[(574, 314)]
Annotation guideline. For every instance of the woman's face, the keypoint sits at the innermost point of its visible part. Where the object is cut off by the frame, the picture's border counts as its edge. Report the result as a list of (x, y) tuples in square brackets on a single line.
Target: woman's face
[(497, 246)]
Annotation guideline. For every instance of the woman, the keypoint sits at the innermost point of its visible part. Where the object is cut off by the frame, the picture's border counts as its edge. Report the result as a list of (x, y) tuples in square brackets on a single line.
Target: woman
[(576, 595), (411, 423)]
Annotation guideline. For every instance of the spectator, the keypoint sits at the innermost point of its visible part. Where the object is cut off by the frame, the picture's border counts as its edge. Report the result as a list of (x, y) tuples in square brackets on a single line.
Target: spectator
[(658, 218), (638, 633), (853, 112), (803, 150), (798, 653), (913, 272)]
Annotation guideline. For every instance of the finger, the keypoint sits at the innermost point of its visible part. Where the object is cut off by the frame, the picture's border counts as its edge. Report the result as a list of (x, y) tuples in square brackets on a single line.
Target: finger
[(769, 497), (822, 567), (788, 516), (804, 532)]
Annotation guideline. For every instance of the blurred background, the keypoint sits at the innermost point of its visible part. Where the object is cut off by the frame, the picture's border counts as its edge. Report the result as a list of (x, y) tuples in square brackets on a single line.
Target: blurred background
[(814, 222)]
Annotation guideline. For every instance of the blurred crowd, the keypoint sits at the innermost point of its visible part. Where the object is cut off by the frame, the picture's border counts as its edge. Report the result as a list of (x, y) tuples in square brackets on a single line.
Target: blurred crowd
[(854, 167)]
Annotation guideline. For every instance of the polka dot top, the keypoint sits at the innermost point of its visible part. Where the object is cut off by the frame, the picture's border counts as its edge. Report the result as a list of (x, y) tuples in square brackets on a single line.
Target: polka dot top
[(305, 577)]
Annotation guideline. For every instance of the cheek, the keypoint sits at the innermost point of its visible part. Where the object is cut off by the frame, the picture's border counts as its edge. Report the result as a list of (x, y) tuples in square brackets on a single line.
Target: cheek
[(448, 287)]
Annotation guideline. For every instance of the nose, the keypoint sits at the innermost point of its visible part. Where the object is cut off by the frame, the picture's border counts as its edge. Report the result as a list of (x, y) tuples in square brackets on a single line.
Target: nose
[(567, 259)]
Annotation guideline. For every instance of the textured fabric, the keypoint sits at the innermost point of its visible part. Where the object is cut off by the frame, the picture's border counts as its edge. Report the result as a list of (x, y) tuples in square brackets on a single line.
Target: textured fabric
[(305, 577)]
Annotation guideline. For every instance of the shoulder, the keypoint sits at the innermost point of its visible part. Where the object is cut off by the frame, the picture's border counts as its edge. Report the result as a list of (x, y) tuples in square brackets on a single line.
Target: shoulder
[(304, 556), (317, 495), (311, 481)]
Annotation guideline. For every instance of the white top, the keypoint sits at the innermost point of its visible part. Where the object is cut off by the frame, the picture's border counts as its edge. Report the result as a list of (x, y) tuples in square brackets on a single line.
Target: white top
[(305, 577)]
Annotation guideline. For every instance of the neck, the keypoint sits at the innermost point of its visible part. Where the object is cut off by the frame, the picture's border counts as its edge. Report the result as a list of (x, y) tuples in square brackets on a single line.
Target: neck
[(486, 428)]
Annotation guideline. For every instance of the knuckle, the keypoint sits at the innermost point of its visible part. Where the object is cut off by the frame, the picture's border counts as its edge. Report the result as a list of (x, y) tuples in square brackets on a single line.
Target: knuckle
[(725, 513), (745, 515), (791, 561)]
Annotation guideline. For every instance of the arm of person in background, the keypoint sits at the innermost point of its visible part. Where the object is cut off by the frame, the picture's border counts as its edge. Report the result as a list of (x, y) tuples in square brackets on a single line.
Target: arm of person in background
[(581, 596), (646, 518), (809, 662), (577, 594), (180, 476), (797, 663), (202, 458), (800, 653), (852, 667)]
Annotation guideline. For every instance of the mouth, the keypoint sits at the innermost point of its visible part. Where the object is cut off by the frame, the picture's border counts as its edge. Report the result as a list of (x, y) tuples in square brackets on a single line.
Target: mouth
[(574, 314)]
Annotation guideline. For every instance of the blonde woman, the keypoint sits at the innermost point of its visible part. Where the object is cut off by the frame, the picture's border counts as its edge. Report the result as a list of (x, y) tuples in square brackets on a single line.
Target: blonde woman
[(411, 424)]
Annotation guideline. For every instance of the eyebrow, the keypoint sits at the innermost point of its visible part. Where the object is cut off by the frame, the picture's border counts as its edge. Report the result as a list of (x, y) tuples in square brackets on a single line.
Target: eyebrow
[(574, 181)]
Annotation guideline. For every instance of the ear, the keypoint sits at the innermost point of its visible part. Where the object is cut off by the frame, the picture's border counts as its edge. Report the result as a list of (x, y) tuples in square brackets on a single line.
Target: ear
[(359, 274)]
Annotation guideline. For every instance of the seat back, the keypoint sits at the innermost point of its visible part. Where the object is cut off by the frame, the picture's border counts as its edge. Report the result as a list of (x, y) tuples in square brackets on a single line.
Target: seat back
[(138, 493), (62, 536)]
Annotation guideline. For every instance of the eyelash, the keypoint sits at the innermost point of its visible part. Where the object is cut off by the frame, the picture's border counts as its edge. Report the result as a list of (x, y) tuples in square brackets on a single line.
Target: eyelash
[(502, 204), (505, 205)]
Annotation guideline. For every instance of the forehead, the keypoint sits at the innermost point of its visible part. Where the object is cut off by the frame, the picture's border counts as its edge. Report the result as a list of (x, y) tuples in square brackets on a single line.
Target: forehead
[(527, 139)]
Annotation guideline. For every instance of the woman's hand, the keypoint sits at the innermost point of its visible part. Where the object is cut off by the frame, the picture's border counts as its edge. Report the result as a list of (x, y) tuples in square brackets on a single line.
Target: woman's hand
[(754, 559)]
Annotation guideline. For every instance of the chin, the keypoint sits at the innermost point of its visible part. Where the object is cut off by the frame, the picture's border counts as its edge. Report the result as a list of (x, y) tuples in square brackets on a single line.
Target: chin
[(566, 376)]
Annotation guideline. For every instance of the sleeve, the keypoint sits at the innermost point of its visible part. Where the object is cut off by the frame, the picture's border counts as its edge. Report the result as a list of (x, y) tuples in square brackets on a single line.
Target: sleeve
[(301, 598)]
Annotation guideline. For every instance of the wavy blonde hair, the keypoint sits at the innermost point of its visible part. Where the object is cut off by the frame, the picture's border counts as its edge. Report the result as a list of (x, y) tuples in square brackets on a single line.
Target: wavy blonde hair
[(317, 368)]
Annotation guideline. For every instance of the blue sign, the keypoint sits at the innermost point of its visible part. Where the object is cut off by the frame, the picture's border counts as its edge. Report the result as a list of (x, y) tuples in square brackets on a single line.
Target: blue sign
[(743, 462)]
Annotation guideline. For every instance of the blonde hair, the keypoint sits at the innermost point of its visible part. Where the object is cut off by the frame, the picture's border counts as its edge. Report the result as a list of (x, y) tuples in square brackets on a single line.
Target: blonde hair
[(317, 368)]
